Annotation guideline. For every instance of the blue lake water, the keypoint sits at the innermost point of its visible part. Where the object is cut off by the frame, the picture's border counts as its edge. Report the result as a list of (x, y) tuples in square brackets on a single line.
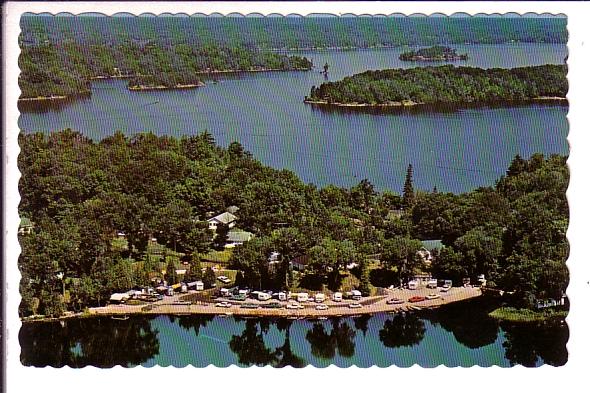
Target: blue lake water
[(455, 151), (456, 335)]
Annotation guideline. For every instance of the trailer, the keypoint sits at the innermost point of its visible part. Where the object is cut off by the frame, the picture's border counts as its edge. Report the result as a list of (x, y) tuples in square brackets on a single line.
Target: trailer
[(320, 298), (337, 296), (356, 294), (432, 284), (302, 297), (413, 284)]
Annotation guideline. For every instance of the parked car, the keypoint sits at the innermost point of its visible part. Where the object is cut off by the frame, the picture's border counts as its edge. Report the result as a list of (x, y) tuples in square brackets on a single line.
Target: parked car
[(395, 301), (250, 305), (294, 306), (273, 305), (224, 279), (433, 296), (223, 304), (445, 288), (416, 299), (355, 305), (321, 307)]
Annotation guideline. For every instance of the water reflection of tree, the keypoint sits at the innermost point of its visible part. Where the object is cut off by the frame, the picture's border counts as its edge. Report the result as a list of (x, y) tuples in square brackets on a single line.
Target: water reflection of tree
[(404, 330), (194, 322), (324, 345), (362, 323), (100, 342), (469, 322), (284, 354), (527, 343), (250, 347)]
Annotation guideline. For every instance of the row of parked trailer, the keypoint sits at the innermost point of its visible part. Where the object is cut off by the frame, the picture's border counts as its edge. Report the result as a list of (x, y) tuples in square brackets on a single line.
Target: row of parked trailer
[(243, 294)]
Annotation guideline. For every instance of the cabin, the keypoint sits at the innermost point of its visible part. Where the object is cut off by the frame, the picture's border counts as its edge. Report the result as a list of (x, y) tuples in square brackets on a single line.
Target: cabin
[(224, 218), (237, 237), (300, 262)]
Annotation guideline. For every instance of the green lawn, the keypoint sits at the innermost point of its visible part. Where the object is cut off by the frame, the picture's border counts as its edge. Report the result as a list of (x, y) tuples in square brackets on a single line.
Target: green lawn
[(217, 257), (511, 314)]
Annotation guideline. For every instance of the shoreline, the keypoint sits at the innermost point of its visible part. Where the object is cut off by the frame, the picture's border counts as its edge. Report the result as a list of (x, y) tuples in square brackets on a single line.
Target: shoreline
[(410, 103), (371, 305), (162, 87), (42, 98)]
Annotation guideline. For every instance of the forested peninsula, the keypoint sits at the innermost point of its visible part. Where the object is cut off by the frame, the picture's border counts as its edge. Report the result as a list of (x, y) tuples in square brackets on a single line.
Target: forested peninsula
[(63, 70), (444, 85), (103, 217), (434, 53)]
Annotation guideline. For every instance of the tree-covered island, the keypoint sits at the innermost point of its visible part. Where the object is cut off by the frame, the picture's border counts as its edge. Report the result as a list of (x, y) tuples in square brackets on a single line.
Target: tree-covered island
[(62, 70), (434, 53), (444, 85), (105, 217)]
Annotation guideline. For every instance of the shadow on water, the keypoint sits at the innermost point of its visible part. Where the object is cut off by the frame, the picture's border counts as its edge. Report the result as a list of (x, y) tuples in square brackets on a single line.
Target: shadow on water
[(46, 106), (100, 342), (526, 344), (426, 109)]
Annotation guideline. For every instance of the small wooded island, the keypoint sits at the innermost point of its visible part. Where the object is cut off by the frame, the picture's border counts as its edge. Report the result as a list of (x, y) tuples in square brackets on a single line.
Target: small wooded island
[(51, 71), (444, 85), (434, 53)]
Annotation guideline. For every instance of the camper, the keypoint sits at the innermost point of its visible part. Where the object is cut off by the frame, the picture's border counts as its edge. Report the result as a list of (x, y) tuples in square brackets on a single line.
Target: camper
[(199, 286), (337, 296), (282, 296), (356, 295), (302, 297), (169, 291), (413, 284), (433, 283), (263, 296), (320, 298), (224, 292), (183, 288)]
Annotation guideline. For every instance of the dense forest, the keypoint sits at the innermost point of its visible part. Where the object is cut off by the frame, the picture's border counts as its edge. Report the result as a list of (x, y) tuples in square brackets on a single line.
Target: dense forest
[(445, 85), (275, 32), (434, 53), (66, 69), (80, 194)]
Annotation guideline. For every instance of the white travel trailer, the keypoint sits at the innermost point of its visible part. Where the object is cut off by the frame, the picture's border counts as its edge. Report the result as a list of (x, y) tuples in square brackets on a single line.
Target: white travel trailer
[(320, 297), (224, 292), (199, 286), (432, 284), (413, 284), (302, 297), (282, 296), (337, 296)]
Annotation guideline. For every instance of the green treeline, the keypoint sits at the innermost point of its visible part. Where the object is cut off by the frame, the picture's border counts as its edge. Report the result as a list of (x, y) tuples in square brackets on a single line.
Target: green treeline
[(445, 85), (318, 31), (434, 53), (66, 69), (79, 194)]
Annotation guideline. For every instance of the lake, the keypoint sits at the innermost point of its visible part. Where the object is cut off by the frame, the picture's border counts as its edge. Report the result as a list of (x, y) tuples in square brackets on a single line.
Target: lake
[(459, 334), (455, 151)]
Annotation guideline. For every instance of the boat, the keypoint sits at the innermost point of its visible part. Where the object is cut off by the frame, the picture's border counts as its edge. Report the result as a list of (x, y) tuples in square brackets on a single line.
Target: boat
[(123, 318)]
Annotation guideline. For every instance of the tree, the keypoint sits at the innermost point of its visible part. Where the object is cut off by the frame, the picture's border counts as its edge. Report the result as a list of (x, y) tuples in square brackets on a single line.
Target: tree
[(220, 238), (365, 282), (209, 277), (195, 272), (170, 275), (408, 195), (401, 253)]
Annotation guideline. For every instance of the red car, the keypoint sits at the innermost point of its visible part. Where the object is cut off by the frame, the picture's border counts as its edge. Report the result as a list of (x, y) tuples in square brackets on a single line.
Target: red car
[(416, 299)]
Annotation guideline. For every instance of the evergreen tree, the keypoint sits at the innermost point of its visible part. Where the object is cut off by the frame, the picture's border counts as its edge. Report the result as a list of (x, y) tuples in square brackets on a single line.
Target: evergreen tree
[(408, 197), (171, 273), (209, 278), (365, 282)]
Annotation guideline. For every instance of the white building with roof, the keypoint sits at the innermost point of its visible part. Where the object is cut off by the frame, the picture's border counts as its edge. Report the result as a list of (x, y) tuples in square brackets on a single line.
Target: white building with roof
[(223, 218)]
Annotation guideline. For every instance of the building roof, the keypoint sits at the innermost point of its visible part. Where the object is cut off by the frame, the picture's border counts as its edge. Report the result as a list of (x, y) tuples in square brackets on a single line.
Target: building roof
[(239, 236), (25, 222), (432, 244), (301, 260), (224, 218)]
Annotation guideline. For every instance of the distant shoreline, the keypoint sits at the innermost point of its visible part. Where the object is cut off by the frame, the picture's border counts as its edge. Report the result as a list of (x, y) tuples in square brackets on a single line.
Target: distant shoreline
[(162, 87)]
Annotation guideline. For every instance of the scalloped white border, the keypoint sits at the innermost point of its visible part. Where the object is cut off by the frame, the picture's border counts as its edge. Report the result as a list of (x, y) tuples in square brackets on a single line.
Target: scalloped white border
[(494, 379)]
